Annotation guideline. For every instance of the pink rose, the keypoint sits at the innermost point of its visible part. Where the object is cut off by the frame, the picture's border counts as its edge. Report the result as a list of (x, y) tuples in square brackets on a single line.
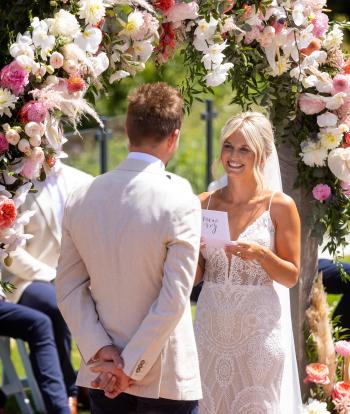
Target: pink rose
[(182, 11), (342, 348), (341, 390), (8, 213), (4, 145), (321, 192), (14, 77), (311, 104), (31, 169), (341, 83), (317, 373), (33, 111), (320, 23)]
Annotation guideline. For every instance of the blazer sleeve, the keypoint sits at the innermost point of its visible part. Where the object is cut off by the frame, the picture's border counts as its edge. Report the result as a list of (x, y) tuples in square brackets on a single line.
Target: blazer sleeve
[(74, 298), (180, 264)]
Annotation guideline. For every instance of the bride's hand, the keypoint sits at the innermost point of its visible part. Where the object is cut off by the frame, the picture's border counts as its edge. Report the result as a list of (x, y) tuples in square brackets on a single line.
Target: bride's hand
[(246, 250)]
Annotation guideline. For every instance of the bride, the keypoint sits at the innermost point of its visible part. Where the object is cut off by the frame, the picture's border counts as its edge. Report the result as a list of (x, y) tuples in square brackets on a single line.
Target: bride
[(243, 328)]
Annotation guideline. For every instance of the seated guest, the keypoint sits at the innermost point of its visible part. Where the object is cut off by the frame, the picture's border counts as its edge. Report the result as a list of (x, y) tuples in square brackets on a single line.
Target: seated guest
[(34, 265), (32, 326)]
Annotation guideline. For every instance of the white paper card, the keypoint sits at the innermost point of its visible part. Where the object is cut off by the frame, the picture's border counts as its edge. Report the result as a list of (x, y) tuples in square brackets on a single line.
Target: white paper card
[(215, 229)]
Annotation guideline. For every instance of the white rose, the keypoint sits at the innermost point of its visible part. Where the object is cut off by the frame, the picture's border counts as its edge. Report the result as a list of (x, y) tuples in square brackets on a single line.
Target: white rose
[(35, 141), (12, 137), (56, 60), (327, 120), (24, 145), (33, 129), (37, 154)]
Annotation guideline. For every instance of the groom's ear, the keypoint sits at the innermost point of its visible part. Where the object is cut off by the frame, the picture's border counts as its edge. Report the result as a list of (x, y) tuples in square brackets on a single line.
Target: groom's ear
[(173, 139)]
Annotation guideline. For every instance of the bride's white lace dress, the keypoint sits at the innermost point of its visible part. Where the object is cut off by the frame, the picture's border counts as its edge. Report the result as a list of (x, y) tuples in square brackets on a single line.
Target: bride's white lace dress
[(238, 331)]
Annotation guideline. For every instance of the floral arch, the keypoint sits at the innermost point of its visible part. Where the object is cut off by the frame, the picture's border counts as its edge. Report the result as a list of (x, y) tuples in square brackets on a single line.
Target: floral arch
[(283, 55)]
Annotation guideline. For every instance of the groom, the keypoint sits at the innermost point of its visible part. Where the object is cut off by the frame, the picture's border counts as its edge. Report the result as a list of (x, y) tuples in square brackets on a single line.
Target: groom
[(128, 259)]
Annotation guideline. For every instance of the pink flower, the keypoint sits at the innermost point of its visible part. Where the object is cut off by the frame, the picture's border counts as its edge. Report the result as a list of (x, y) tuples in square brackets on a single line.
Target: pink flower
[(14, 77), (317, 373), (182, 11), (75, 84), (321, 192), (8, 213), (341, 83), (311, 104), (320, 23), (252, 35), (33, 111), (31, 169), (346, 189), (4, 145), (342, 347), (341, 390)]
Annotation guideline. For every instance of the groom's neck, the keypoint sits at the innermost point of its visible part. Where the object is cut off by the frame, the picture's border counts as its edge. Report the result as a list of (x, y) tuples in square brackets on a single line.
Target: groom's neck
[(156, 151)]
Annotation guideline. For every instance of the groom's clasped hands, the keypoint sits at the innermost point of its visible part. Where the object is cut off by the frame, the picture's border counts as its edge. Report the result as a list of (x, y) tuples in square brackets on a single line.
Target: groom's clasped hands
[(109, 365)]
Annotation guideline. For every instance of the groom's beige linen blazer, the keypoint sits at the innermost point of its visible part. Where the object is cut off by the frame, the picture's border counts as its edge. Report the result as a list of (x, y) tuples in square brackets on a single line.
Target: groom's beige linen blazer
[(129, 253)]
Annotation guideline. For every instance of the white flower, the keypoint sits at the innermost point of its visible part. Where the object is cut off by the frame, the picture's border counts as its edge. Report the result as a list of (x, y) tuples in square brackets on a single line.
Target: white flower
[(65, 24), (298, 13), (22, 46), (28, 64), (143, 49), (309, 81), (99, 63), (182, 11), (330, 138), (335, 102), (24, 145), (117, 76), (92, 10), (12, 136), (41, 38), (56, 60), (315, 407), (327, 120), (218, 75), (133, 25), (333, 39), (89, 40), (34, 128), (206, 30), (313, 154), (214, 55), (7, 102)]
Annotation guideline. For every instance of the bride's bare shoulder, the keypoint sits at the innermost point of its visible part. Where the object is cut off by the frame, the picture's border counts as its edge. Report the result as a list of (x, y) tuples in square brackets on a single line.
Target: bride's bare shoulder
[(283, 206)]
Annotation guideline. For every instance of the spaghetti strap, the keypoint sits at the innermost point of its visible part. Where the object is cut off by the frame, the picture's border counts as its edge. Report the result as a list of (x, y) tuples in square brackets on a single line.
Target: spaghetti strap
[(271, 200), (210, 199)]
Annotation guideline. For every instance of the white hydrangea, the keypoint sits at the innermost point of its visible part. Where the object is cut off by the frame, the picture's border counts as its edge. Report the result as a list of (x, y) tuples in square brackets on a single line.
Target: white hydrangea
[(315, 407)]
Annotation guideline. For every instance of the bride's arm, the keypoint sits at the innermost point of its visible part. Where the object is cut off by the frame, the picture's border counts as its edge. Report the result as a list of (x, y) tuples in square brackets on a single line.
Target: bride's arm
[(283, 265)]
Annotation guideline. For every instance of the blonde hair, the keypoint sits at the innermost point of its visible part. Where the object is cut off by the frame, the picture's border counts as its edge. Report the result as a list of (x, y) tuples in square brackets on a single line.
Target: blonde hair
[(258, 133)]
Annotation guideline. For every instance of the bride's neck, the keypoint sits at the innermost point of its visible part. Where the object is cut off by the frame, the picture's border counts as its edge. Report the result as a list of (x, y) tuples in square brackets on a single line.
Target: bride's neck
[(240, 191)]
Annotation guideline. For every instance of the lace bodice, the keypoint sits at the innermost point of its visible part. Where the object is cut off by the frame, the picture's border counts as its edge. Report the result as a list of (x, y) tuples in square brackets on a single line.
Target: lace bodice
[(219, 268)]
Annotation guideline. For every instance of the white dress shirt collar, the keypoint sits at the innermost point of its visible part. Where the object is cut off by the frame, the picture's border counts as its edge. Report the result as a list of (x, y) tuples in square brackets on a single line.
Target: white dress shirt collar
[(151, 159)]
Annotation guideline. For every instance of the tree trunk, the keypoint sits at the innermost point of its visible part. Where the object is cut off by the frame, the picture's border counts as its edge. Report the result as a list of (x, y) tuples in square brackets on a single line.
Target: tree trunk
[(300, 293)]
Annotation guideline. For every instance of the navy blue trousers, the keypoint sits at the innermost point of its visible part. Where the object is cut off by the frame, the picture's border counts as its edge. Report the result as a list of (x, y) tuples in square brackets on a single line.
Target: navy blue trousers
[(333, 284), (17, 321), (42, 297), (129, 404)]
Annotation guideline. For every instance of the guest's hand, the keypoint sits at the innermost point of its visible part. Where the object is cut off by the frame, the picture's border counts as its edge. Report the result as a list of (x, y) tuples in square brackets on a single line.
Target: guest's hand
[(247, 250), (113, 381)]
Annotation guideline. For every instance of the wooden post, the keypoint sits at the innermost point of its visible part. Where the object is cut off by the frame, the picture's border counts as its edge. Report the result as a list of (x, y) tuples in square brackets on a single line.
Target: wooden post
[(300, 293)]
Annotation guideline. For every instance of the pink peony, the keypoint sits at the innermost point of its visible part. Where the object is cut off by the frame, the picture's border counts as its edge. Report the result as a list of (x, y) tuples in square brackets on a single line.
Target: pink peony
[(320, 23), (4, 145), (317, 373), (341, 390), (33, 111), (14, 77), (342, 347), (182, 11), (341, 83), (321, 192), (311, 104), (8, 213)]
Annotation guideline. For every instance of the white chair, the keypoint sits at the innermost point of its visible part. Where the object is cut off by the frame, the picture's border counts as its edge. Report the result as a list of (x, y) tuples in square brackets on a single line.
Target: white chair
[(13, 385)]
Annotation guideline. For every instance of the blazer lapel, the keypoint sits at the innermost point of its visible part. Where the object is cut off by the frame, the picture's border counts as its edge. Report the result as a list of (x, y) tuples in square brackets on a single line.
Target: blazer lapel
[(44, 202)]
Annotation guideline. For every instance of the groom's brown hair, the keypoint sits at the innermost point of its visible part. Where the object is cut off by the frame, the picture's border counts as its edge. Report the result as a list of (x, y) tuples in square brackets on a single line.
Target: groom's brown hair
[(155, 110)]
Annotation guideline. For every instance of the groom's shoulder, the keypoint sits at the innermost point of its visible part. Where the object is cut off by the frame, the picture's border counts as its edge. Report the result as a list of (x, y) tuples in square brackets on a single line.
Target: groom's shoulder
[(180, 182)]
